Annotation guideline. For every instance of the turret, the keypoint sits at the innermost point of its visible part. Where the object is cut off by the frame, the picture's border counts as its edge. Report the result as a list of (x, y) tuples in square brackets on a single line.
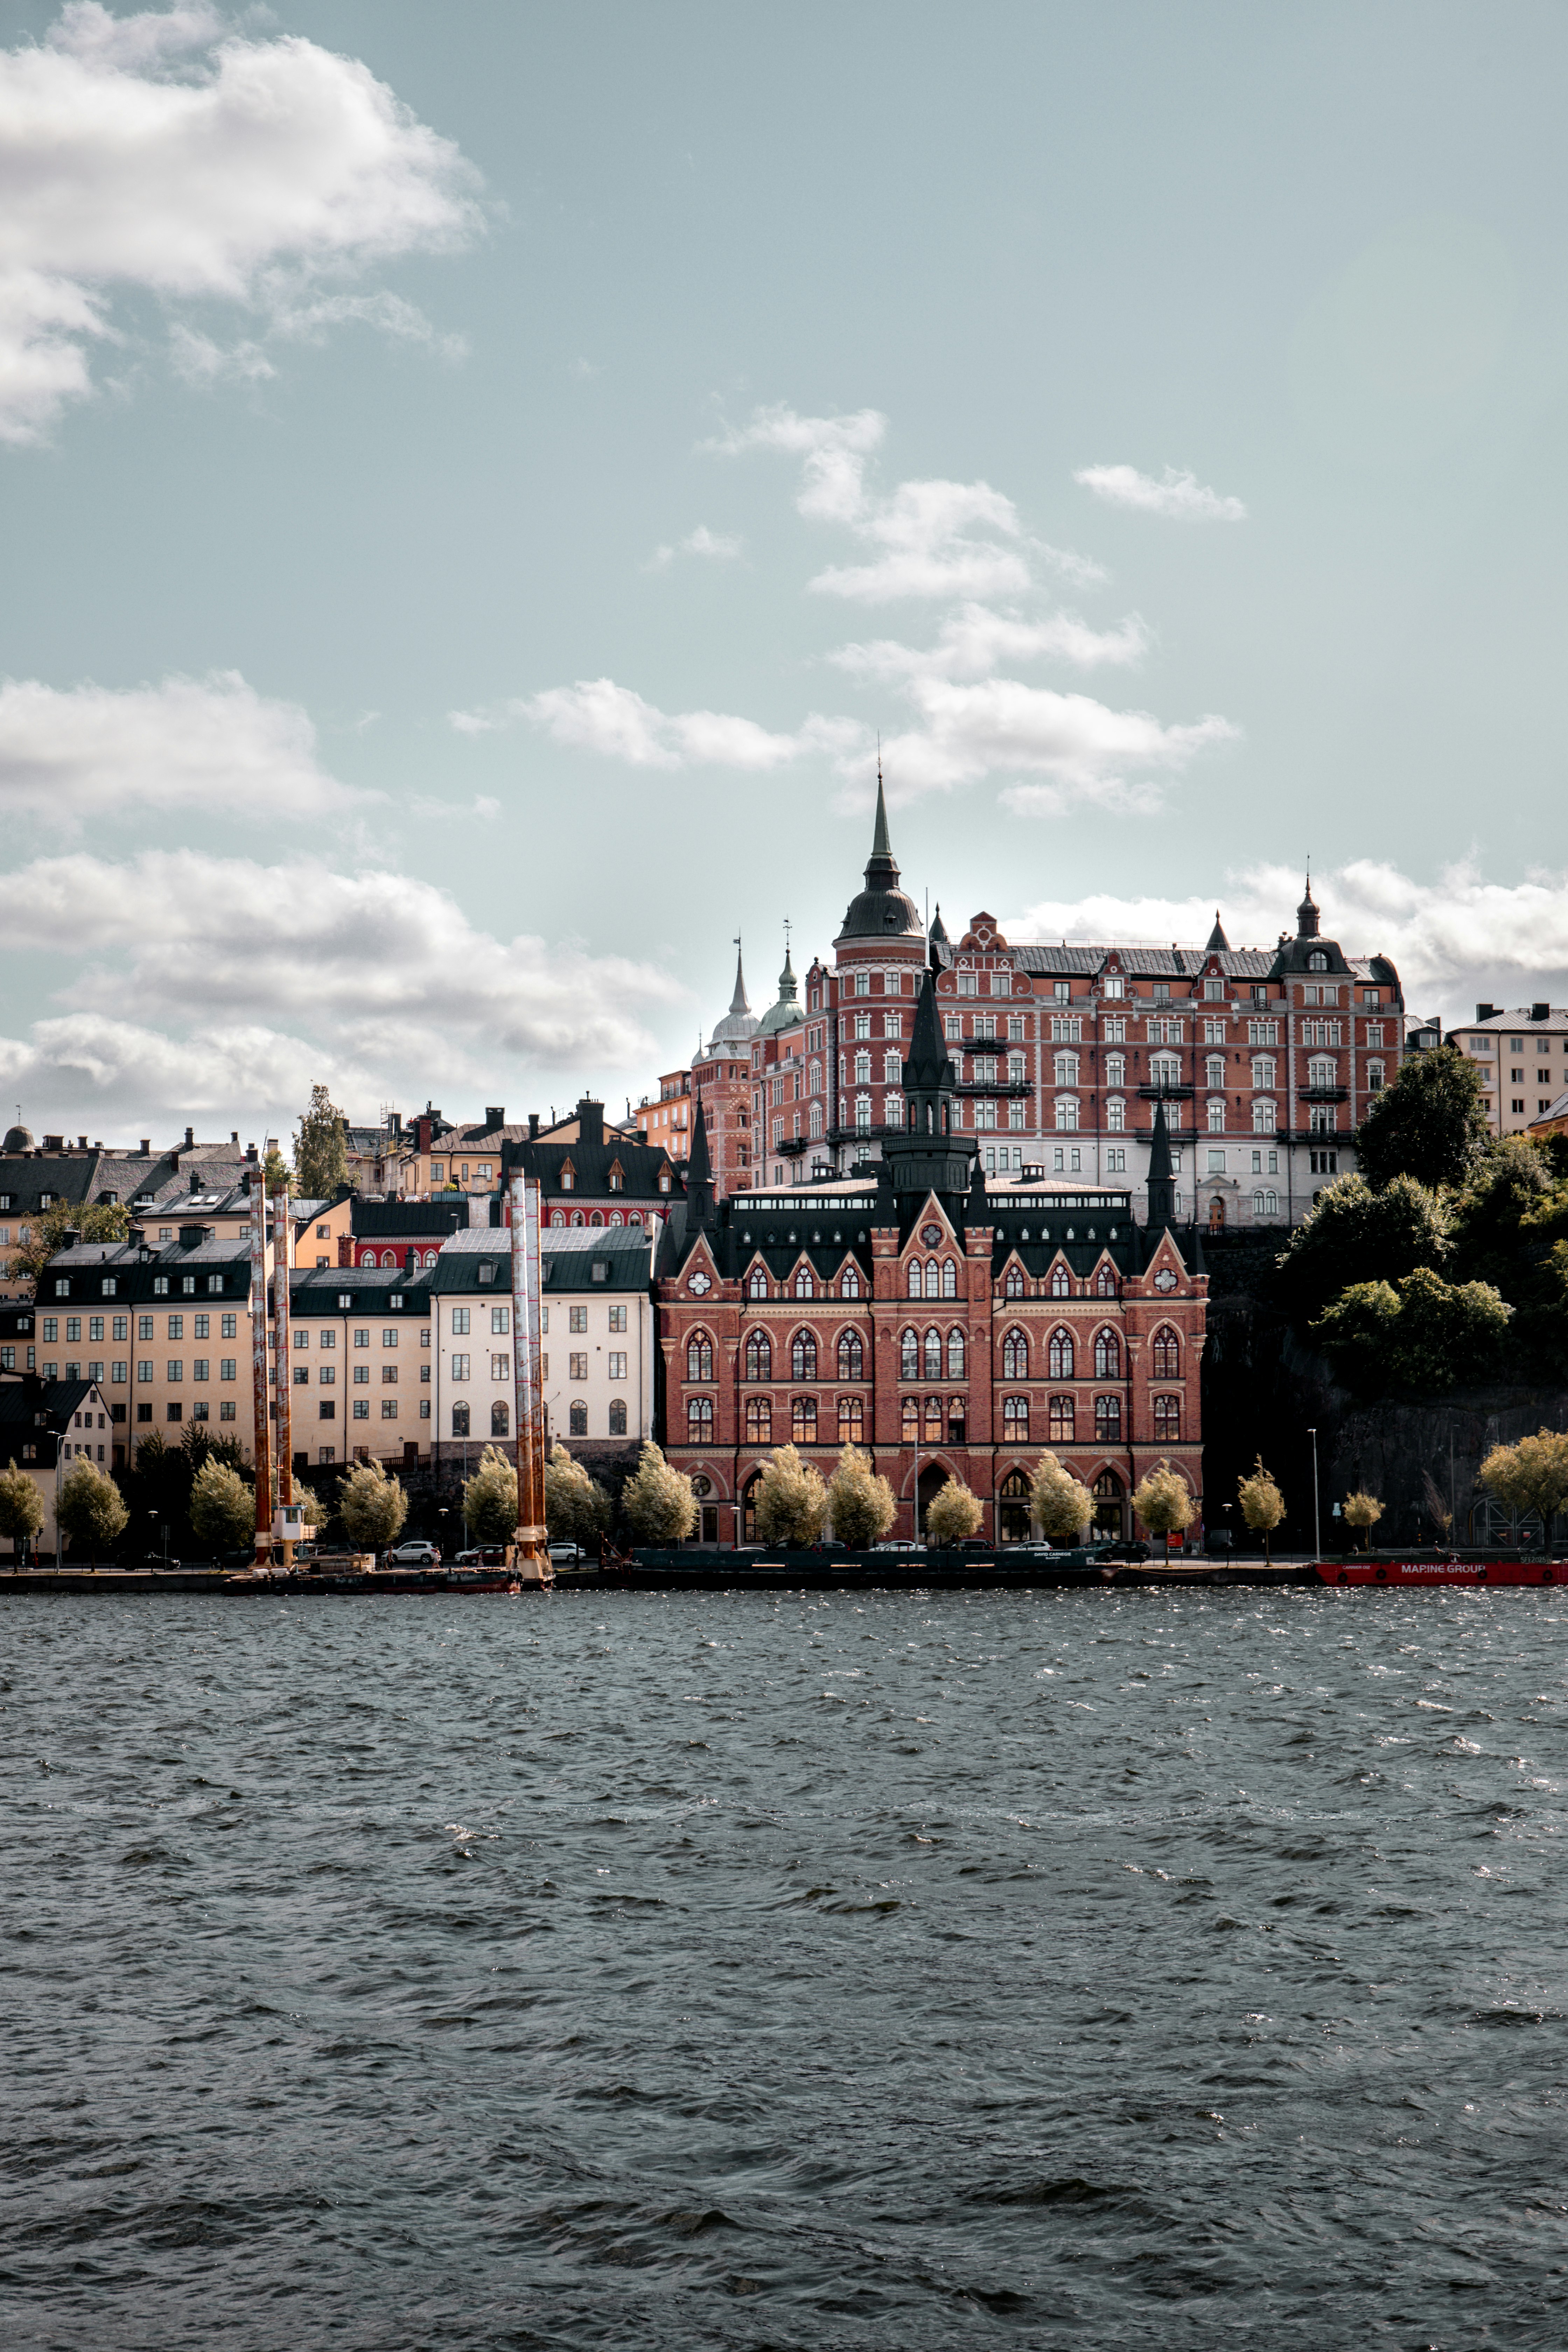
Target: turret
[(929, 1156)]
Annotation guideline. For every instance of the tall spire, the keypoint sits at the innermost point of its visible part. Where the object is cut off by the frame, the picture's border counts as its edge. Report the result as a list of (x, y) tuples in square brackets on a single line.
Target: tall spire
[(881, 847), (1162, 1180), (737, 1003), (699, 1172)]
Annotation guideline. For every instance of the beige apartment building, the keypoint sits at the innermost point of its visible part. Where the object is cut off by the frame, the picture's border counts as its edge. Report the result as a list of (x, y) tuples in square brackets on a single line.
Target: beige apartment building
[(1522, 1058)]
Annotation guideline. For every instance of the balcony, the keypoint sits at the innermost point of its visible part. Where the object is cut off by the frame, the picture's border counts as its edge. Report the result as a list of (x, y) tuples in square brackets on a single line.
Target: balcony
[(1167, 1094), (1324, 1094), (994, 1086)]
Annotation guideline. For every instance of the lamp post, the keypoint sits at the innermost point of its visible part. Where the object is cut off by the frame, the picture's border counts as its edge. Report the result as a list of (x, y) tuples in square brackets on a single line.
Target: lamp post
[(1317, 1526)]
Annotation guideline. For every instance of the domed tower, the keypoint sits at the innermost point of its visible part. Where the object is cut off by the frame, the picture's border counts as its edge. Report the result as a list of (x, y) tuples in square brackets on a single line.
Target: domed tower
[(17, 1139), (882, 911), (738, 1026), (787, 1011)]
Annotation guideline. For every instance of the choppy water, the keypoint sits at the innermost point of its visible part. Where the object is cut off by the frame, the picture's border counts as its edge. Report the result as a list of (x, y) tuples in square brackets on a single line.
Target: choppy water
[(836, 1972)]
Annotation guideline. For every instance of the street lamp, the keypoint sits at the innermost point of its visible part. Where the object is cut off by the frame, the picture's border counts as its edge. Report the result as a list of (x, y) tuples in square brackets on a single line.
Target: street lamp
[(1317, 1529)]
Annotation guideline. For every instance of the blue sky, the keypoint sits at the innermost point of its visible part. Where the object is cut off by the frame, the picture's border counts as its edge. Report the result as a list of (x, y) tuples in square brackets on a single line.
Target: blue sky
[(475, 480)]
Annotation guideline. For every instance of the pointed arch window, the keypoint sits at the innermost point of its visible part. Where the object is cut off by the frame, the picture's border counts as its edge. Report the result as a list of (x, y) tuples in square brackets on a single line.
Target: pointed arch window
[(756, 1283), (759, 1356), (933, 1431), (699, 1420), (803, 1356), (1107, 1356), (851, 1420), (1167, 1420), (1105, 1282), (1015, 1420), (803, 1421), (949, 1278), (909, 1356), (932, 1356), (1015, 1356), (1062, 1285), (850, 1286), (1167, 1354), (1063, 1419), (910, 1424), (1013, 1285), (1061, 1354), (700, 1356), (851, 1356), (805, 1284), (758, 1421), (916, 1279), (956, 1356), (1108, 1421)]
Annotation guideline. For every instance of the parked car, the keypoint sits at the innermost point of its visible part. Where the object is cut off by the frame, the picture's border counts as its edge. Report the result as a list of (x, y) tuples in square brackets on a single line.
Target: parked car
[(483, 1556), (565, 1555), (898, 1543), (415, 1553), (977, 1543)]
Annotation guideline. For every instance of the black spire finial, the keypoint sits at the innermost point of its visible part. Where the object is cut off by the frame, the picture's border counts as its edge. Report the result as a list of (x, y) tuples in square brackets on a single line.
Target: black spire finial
[(698, 1172), (1161, 1179)]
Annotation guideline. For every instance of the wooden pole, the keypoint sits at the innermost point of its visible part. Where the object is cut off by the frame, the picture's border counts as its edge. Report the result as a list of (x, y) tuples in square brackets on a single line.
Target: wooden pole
[(531, 1538), (262, 1443), (282, 1266)]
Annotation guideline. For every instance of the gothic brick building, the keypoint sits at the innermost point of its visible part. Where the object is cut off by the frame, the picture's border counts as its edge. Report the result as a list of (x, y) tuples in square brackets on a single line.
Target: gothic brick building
[(950, 1320)]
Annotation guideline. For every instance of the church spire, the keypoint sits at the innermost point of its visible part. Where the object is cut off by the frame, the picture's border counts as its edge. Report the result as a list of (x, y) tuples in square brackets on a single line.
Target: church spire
[(1161, 1178), (698, 1172), (737, 1003)]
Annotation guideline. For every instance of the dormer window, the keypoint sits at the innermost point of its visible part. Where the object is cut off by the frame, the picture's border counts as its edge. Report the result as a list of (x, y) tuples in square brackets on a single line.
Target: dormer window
[(568, 1176), (488, 1271), (664, 1179), (617, 1177), (1316, 960)]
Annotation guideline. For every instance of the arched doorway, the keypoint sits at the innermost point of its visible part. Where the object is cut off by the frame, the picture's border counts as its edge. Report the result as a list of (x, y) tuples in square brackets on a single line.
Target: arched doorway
[(1013, 1508), (749, 1509), (1108, 1494), (1217, 1216), (933, 1478)]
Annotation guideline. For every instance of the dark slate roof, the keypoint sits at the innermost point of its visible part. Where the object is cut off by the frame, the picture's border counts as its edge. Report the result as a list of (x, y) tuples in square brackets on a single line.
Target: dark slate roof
[(640, 1164), (21, 1402), (418, 1220), (135, 1273), (371, 1289), (882, 910), (567, 1259)]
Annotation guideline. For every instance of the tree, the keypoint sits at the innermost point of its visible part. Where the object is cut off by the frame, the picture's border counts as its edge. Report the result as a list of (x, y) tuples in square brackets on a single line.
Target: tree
[(860, 1504), (21, 1507), (791, 1501), (1163, 1503), (276, 1175), (1431, 1123), (954, 1513), (658, 1501), (89, 1507), (1437, 1508), (1351, 1234), (1511, 1192), (1529, 1476), (1262, 1504), (489, 1498), (371, 1505), (576, 1507), (320, 1148), (1062, 1504), (105, 1221), (1362, 1511), (1422, 1333), (223, 1507)]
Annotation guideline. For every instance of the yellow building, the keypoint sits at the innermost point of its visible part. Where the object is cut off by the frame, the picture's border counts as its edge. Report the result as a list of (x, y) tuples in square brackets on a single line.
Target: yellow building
[(1522, 1058)]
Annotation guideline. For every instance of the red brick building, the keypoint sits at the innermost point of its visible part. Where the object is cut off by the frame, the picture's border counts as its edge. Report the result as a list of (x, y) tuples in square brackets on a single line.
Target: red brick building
[(949, 1320)]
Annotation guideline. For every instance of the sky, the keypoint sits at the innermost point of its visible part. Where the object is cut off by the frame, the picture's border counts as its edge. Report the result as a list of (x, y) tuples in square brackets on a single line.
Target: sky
[(475, 484)]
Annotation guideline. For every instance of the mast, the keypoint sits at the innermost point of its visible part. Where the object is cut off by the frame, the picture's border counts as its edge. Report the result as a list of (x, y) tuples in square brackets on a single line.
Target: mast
[(532, 1537), (282, 1266), (262, 1446)]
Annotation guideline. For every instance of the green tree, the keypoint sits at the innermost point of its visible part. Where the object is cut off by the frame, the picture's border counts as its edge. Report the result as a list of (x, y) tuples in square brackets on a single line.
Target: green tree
[(1062, 1504), (576, 1507), (1262, 1504), (1529, 1476), (860, 1504), (1361, 1511), (107, 1221), (1431, 1123), (223, 1507), (371, 1505), (658, 1501), (21, 1507), (1163, 1503), (276, 1174), (954, 1513), (1351, 1234), (791, 1501), (1422, 1334), (1511, 1193), (489, 1498), (320, 1148), (89, 1507)]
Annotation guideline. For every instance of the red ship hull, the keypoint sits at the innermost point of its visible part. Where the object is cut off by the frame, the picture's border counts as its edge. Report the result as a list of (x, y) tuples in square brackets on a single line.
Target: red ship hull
[(1401, 1573)]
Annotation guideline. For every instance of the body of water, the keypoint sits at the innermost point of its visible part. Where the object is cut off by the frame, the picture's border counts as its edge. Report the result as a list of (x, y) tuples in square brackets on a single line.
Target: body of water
[(1097, 1969)]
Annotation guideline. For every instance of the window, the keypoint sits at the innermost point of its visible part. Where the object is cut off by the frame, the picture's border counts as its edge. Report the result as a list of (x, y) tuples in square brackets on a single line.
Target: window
[(1116, 1124), (1108, 1421), (459, 1368), (1016, 1420), (1263, 1033), (850, 1286), (1060, 1364), (851, 1356), (1265, 1204), (1164, 1070), (803, 1357), (1015, 1356), (700, 1356), (1167, 1420), (459, 1419), (804, 1285), (1167, 1354), (1013, 1285), (915, 1280), (617, 1416), (1067, 1114), (201, 1370), (851, 1420), (362, 1372), (1107, 1356), (910, 1425), (1105, 1282), (756, 1283), (617, 1318), (803, 1421), (500, 1368), (932, 1356), (955, 1355), (1064, 1067), (758, 1421), (500, 1321), (933, 1421), (1321, 1074), (1062, 1285), (577, 1364), (1263, 1119), (698, 1420), (759, 1356), (617, 1364), (577, 1420), (577, 1319), (174, 1369), (143, 1369), (1063, 1414)]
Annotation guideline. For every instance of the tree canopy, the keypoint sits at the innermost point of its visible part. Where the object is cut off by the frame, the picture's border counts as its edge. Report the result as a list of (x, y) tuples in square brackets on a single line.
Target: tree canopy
[(1352, 1233), (372, 1506), (107, 1221), (1164, 1501), (21, 1506), (576, 1507), (89, 1506), (1262, 1504), (320, 1148), (791, 1501), (1531, 1475), (953, 1512), (1062, 1504), (861, 1503), (1430, 1123), (1422, 1334), (658, 1501), (222, 1507)]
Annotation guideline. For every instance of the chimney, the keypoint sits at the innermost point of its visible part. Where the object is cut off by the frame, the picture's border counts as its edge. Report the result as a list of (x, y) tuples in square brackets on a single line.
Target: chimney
[(234, 1135), (54, 1143), (1485, 1012), (190, 1137), (193, 1236), (137, 1236), (70, 1236), (196, 1181), (251, 1153), (533, 1126), (590, 1120), (495, 1116), (146, 1147), (1540, 1011), (345, 1249), (82, 1143)]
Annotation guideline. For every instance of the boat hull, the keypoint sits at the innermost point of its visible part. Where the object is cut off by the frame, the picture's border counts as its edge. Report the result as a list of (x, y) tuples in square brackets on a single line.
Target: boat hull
[(1441, 1572)]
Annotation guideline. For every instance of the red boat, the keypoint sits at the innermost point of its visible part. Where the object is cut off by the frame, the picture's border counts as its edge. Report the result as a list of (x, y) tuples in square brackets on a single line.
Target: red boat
[(1442, 1571)]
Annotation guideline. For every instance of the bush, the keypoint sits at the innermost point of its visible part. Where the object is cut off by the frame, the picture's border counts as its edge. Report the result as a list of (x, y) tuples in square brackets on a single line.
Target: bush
[(489, 1499), (89, 1507), (371, 1505), (1353, 1234), (1422, 1333), (21, 1507), (791, 1501), (1529, 1476), (1362, 1511), (576, 1507), (1163, 1502), (1062, 1504), (860, 1504), (954, 1513), (658, 1501), (1262, 1504), (223, 1507)]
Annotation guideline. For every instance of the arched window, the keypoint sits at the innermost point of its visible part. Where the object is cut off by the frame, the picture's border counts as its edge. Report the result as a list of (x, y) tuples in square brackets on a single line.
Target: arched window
[(698, 1420), (1105, 1282), (500, 1419), (949, 1278), (916, 1279), (1167, 1355), (578, 1420), (1061, 1354), (803, 1357), (933, 1421), (909, 1356), (911, 1423), (1016, 1420), (459, 1420), (1062, 1419), (813, 1123), (804, 1285), (756, 1283), (616, 1218), (1265, 1204), (1014, 1357), (932, 1371), (617, 1416), (1062, 1285), (576, 1216), (955, 1356), (1316, 960), (597, 1218), (851, 1357), (1107, 1356), (850, 1286), (558, 1216), (700, 1356), (759, 1356), (1013, 1285), (1167, 1420), (851, 1420), (803, 1421), (1014, 1492), (758, 1421), (1108, 1421)]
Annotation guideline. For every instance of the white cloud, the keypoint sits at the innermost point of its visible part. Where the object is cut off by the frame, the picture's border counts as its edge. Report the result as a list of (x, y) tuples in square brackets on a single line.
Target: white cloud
[(1181, 496), (597, 715), (973, 641), (166, 153), (1084, 751), (717, 546), (833, 450), (241, 977), (213, 744)]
